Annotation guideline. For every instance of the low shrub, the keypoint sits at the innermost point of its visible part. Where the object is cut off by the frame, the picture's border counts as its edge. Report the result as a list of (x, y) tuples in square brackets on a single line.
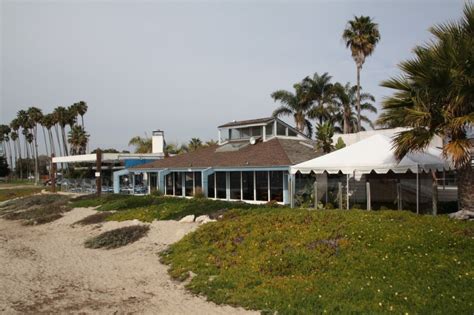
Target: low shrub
[(118, 237), (37, 209), (95, 218), (12, 193)]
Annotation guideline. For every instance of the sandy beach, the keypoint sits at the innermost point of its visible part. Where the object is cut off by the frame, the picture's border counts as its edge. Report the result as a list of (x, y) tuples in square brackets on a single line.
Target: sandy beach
[(46, 269)]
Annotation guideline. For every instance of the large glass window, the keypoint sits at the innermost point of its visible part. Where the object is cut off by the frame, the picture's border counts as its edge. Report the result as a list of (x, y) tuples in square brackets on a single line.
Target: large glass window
[(261, 179), (281, 130), (169, 184), (276, 186), (247, 185), (235, 185), (188, 184), (291, 133), (257, 131), (269, 130), (221, 185), (210, 186), (198, 182), (178, 184)]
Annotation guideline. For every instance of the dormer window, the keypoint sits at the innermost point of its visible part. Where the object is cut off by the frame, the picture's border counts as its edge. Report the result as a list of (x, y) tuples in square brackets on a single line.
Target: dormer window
[(265, 128)]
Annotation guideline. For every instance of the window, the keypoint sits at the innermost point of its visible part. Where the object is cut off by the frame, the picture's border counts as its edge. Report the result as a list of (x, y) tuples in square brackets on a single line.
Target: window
[(291, 132), (235, 185), (245, 133), (257, 131), (178, 184), (169, 184), (188, 184), (235, 133), (276, 186), (247, 185), (281, 130), (261, 184), (198, 182), (221, 185), (210, 186), (269, 130)]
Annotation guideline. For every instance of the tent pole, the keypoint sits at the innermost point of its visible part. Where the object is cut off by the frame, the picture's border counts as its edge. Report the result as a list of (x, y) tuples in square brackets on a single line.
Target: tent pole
[(369, 201), (417, 190), (399, 195), (339, 194), (347, 192), (316, 194)]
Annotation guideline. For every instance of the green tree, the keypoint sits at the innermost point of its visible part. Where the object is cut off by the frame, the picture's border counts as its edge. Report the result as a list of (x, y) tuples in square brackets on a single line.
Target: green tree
[(4, 169), (361, 36), (194, 144), (319, 93), (344, 116), (340, 144), (324, 134), (141, 144), (435, 96), (297, 105), (78, 139)]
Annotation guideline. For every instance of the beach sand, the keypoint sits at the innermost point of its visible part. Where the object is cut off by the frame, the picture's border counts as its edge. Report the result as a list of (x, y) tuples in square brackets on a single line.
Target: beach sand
[(47, 269)]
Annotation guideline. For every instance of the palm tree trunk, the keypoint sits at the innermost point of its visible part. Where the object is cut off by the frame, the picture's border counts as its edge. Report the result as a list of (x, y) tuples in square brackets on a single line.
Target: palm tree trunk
[(51, 142), (59, 142), (45, 141), (358, 98), (35, 139), (63, 131), (20, 162), (465, 191), (11, 156)]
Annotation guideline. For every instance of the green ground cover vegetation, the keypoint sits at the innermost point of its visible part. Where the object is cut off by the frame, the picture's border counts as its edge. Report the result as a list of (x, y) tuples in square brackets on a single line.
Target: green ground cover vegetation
[(12, 193), (118, 237), (309, 262)]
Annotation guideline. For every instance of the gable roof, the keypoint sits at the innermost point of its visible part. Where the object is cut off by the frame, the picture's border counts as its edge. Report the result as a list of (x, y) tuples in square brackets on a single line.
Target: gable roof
[(275, 152)]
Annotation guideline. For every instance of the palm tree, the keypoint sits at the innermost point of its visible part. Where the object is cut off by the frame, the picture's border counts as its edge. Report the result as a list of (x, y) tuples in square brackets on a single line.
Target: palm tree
[(14, 137), (435, 96), (319, 91), (35, 115), (78, 139), (81, 109), (361, 36), (48, 123), (343, 116), (194, 144), (15, 125), (62, 118), (324, 134), (296, 104), (141, 144)]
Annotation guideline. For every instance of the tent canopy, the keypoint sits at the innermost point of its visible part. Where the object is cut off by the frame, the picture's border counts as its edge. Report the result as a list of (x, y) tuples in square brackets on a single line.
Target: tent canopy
[(375, 153)]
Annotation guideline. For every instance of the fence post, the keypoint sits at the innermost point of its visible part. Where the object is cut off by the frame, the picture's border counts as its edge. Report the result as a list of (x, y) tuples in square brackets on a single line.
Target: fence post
[(98, 178)]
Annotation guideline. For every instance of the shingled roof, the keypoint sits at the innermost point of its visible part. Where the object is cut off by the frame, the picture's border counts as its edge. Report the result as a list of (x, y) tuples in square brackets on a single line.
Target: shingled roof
[(275, 152)]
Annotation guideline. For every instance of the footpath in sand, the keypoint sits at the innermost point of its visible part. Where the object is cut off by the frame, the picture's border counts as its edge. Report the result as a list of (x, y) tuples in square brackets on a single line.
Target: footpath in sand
[(46, 269)]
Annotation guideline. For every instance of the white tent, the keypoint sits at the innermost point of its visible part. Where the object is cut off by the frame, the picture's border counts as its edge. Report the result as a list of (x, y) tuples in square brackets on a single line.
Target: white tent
[(376, 154), (372, 154)]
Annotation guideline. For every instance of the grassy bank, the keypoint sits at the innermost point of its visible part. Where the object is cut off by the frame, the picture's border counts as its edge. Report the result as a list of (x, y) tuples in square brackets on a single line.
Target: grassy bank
[(299, 261), (149, 208), (12, 193)]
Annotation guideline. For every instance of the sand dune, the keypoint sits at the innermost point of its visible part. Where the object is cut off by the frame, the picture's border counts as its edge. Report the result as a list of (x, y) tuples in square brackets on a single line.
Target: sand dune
[(46, 269)]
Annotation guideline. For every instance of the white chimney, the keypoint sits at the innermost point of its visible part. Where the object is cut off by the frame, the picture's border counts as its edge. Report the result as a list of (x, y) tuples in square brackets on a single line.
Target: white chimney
[(158, 142)]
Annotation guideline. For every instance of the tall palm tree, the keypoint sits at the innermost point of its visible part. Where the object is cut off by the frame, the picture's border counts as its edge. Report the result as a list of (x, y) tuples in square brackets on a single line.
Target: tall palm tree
[(15, 125), (296, 104), (435, 96), (48, 123), (361, 36), (141, 144), (81, 109), (319, 92), (62, 118), (344, 115), (14, 137), (78, 139), (35, 115)]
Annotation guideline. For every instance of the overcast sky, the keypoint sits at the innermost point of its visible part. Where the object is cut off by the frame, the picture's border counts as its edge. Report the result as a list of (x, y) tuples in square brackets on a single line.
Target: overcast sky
[(186, 67)]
